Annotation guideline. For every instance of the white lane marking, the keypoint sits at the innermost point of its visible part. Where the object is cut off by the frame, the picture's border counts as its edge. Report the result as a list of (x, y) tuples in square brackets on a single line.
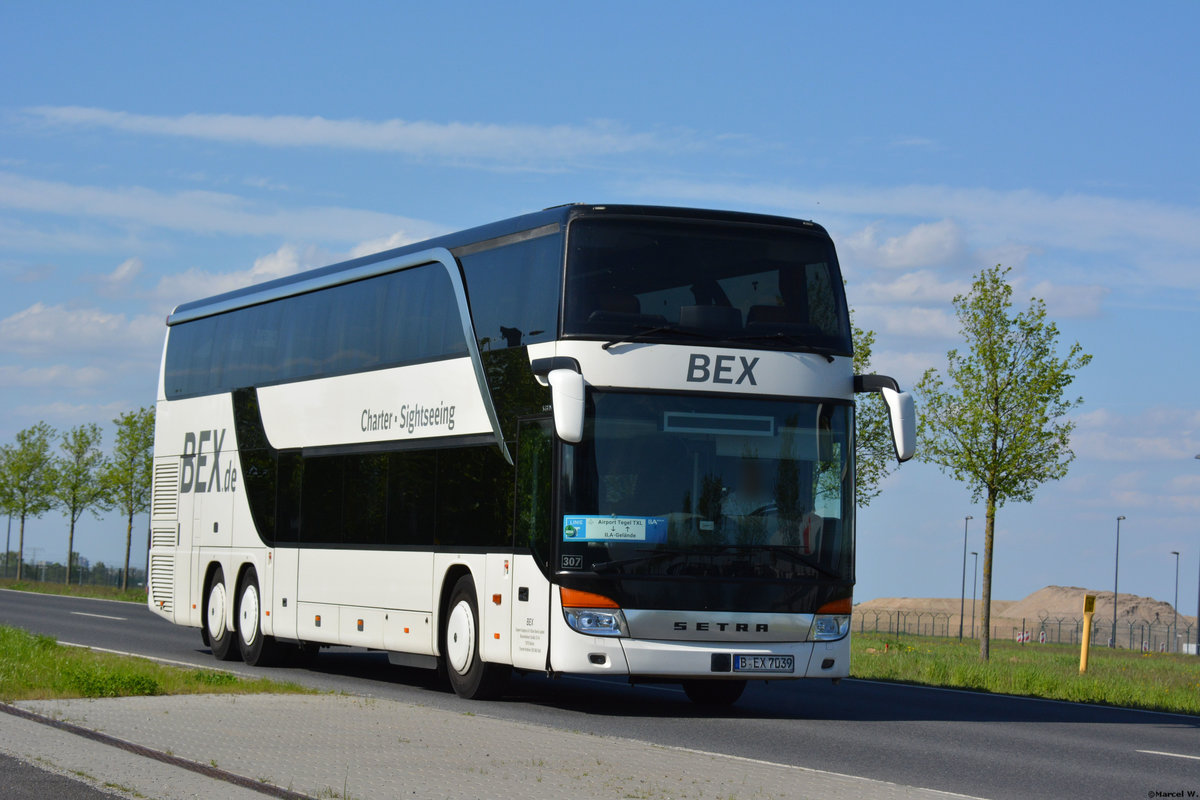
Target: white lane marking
[(1172, 755), (99, 616), (191, 664), (126, 603), (760, 762)]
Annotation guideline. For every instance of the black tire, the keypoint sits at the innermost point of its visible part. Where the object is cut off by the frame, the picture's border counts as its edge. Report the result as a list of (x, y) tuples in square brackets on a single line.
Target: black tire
[(216, 601), (257, 649), (470, 677), (714, 693)]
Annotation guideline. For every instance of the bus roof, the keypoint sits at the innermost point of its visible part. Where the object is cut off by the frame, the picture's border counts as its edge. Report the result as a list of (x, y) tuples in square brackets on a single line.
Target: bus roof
[(555, 215)]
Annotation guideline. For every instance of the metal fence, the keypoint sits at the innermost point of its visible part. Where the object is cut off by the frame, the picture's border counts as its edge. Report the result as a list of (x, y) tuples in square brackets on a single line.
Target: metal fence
[(1147, 635), (82, 572)]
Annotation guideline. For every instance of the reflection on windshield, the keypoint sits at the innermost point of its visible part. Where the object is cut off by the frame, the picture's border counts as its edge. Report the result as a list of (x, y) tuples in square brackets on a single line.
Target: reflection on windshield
[(666, 280), (701, 486)]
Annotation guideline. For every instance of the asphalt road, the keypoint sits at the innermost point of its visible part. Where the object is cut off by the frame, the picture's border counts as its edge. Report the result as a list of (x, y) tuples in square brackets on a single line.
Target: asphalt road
[(974, 744)]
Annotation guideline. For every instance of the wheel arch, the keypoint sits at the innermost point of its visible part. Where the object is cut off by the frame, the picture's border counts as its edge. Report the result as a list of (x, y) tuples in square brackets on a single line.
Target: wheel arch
[(451, 577), (209, 571)]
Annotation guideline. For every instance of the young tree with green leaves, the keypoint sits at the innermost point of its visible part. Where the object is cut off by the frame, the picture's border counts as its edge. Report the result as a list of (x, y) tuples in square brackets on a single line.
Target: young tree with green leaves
[(997, 421), (29, 475), (78, 486), (6, 503), (874, 451), (129, 473)]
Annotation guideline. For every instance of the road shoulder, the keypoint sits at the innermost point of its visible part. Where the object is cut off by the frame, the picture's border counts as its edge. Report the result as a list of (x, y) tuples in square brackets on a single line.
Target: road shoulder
[(345, 746)]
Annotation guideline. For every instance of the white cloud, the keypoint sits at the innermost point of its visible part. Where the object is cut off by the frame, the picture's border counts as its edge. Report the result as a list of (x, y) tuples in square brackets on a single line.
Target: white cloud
[(1155, 242), (62, 414), (922, 286), (289, 259), (1139, 490), (1067, 301), (416, 138), (925, 245), (55, 331), (194, 283), (397, 239), (202, 211), (906, 366), (126, 271), (916, 321), (55, 376), (1156, 436)]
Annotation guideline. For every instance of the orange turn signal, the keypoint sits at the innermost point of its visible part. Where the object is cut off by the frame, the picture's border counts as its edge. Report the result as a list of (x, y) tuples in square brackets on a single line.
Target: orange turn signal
[(574, 598), (843, 606)]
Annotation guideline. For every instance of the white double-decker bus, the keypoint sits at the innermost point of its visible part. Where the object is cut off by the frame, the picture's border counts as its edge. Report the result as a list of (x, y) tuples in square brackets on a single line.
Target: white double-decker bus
[(602, 440)]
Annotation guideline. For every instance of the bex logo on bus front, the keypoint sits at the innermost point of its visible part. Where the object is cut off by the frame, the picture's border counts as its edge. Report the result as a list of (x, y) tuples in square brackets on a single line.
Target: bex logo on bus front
[(702, 369), (201, 468)]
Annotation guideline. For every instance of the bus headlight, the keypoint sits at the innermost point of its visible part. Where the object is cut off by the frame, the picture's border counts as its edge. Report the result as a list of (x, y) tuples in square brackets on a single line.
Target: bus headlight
[(597, 621), (830, 627), (593, 614)]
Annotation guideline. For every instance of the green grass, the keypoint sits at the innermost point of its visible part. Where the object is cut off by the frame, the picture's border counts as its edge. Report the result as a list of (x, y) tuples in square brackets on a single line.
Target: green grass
[(35, 667), (103, 592), (1153, 681)]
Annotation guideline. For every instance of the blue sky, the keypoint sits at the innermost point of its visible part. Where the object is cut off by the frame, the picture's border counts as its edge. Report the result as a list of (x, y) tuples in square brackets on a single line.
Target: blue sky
[(153, 153)]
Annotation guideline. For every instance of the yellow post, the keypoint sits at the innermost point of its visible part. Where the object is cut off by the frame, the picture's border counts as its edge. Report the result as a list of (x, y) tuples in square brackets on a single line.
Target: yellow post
[(1089, 608)]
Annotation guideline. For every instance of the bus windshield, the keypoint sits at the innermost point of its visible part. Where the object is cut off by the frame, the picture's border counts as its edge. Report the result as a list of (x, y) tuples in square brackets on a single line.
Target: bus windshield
[(679, 485), (653, 279)]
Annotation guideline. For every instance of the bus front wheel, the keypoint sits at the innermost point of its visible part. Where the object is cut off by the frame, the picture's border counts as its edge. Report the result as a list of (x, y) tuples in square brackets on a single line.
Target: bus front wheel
[(470, 676), (216, 604), (714, 693)]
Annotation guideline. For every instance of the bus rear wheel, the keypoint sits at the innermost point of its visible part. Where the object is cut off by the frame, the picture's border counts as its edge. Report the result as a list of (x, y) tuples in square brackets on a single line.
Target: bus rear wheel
[(258, 649), (216, 605), (714, 693), (470, 676)]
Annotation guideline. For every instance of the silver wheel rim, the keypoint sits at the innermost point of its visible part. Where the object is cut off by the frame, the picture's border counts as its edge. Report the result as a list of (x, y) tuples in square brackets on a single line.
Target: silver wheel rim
[(460, 637), (248, 618), (216, 610)]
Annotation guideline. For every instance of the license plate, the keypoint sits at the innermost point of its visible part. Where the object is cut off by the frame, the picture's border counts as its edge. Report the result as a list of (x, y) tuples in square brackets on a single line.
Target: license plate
[(755, 663)]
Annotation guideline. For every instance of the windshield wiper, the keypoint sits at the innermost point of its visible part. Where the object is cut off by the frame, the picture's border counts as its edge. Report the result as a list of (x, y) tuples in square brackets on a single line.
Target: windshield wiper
[(787, 338), (788, 554), (648, 331), (654, 555)]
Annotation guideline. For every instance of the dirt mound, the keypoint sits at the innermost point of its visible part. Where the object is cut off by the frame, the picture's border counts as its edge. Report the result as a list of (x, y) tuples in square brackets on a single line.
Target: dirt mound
[(1052, 603), (1067, 601)]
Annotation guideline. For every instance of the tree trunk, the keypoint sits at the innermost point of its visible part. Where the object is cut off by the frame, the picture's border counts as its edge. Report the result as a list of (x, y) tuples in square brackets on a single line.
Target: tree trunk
[(70, 549), (21, 547), (128, 538), (985, 638)]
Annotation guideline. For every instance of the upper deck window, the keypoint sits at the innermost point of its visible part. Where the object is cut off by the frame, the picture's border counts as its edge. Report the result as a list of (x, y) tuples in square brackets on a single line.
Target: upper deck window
[(676, 280), (397, 318)]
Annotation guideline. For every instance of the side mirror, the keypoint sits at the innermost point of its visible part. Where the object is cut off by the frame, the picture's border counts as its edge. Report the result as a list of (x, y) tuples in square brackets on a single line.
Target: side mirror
[(902, 412), (566, 392), (903, 415)]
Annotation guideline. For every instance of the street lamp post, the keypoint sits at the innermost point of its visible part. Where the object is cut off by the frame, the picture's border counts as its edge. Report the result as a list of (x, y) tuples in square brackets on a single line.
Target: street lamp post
[(974, 583), (1175, 606), (1198, 606), (962, 599), (1116, 571)]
